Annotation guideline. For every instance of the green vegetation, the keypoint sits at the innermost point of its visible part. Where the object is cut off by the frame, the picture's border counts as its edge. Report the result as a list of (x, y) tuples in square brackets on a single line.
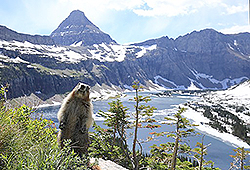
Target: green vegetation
[(28, 143), (112, 142), (199, 154), (239, 159)]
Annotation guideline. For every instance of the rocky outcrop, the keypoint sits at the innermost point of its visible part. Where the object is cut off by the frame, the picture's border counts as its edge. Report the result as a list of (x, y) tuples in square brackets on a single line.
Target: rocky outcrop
[(10, 35), (77, 29), (107, 164)]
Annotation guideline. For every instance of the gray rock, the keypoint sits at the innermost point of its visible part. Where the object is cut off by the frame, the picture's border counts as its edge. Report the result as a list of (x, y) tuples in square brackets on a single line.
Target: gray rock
[(77, 28), (10, 35), (107, 164)]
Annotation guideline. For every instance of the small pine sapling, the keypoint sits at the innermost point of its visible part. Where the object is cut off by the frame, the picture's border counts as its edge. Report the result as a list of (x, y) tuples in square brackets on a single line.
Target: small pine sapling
[(183, 129), (142, 116), (199, 154), (239, 159)]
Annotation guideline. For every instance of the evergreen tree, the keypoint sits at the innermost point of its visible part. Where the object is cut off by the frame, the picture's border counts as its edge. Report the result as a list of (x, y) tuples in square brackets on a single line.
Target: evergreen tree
[(239, 159), (183, 129), (111, 143), (200, 152), (142, 115)]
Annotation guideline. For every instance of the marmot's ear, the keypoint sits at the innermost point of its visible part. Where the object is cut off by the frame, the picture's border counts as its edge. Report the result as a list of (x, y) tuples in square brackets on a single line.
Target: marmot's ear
[(87, 87), (73, 93)]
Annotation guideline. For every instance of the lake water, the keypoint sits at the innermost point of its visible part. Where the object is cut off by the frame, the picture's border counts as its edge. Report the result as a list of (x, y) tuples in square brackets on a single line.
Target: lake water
[(218, 152)]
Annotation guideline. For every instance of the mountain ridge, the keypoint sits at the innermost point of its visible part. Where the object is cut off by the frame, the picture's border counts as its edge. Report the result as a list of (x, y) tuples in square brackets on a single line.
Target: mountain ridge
[(206, 59), (10, 35)]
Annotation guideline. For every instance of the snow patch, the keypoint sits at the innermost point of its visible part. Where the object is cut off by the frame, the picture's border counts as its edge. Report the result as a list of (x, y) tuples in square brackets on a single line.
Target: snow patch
[(76, 44), (62, 54), (128, 87), (192, 87), (200, 120), (12, 60), (226, 83), (235, 43), (231, 100), (104, 92), (110, 53), (145, 49), (229, 45), (50, 105), (178, 87)]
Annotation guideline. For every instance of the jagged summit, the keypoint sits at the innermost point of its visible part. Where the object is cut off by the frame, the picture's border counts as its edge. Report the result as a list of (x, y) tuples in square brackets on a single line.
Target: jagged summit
[(77, 29), (76, 22)]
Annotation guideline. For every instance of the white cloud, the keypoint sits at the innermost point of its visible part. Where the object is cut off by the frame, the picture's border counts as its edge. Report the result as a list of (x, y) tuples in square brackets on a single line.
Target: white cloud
[(236, 9), (157, 7), (236, 29), (123, 4), (105, 4), (174, 8)]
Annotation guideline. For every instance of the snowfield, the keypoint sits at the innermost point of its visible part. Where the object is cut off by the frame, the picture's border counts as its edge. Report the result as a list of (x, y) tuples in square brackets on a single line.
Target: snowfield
[(76, 53), (235, 101)]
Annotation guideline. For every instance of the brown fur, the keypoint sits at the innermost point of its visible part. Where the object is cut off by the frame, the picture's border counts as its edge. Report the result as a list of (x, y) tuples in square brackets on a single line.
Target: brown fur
[(75, 118), (96, 167)]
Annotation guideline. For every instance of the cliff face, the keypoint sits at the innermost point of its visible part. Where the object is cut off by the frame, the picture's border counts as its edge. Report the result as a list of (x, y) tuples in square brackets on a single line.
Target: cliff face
[(207, 59), (77, 29)]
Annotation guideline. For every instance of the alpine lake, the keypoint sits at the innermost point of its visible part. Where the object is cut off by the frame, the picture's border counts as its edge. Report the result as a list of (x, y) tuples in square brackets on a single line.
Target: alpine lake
[(218, 151)]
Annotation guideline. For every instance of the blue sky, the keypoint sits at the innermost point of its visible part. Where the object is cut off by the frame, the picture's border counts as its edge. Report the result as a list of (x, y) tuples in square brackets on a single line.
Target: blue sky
[(128, 21)]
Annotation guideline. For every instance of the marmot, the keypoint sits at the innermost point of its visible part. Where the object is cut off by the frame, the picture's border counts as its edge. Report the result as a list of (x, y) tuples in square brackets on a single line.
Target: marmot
[(75, 118)]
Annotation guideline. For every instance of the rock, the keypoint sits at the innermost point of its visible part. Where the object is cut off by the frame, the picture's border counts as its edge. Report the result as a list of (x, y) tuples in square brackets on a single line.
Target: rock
[(107, 164), (76, 28), (10, 35)]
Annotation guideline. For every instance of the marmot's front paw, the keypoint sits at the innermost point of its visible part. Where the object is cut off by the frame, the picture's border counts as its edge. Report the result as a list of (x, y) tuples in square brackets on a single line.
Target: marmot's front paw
[(83, 129)]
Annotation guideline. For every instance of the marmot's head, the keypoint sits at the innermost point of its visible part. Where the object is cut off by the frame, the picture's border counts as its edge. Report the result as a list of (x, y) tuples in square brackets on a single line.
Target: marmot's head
[(82, 91)]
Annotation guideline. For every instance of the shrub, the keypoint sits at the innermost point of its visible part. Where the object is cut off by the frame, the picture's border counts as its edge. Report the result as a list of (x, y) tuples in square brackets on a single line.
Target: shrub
[(27, 143)]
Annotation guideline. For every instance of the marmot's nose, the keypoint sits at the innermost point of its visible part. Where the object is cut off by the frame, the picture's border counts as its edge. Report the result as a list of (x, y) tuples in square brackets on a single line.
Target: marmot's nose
[(82, 87)]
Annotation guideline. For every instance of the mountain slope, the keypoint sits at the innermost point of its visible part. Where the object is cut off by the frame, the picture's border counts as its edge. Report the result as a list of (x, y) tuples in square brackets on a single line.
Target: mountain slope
[(226, 111), (77, 29), (10, 35), (206, 59)]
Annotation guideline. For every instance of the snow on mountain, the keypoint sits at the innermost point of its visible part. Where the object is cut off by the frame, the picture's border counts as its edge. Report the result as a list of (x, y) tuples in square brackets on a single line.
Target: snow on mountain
[(101, 52), (242, 90), (192, 87), (224, 114), (162, 82), (6, 59), (225, 83), (110, 53), (62, 54), (145, 49)]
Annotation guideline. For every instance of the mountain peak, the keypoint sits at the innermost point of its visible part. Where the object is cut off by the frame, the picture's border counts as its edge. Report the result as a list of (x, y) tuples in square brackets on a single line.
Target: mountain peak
[(78, 17), (78, 28)]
